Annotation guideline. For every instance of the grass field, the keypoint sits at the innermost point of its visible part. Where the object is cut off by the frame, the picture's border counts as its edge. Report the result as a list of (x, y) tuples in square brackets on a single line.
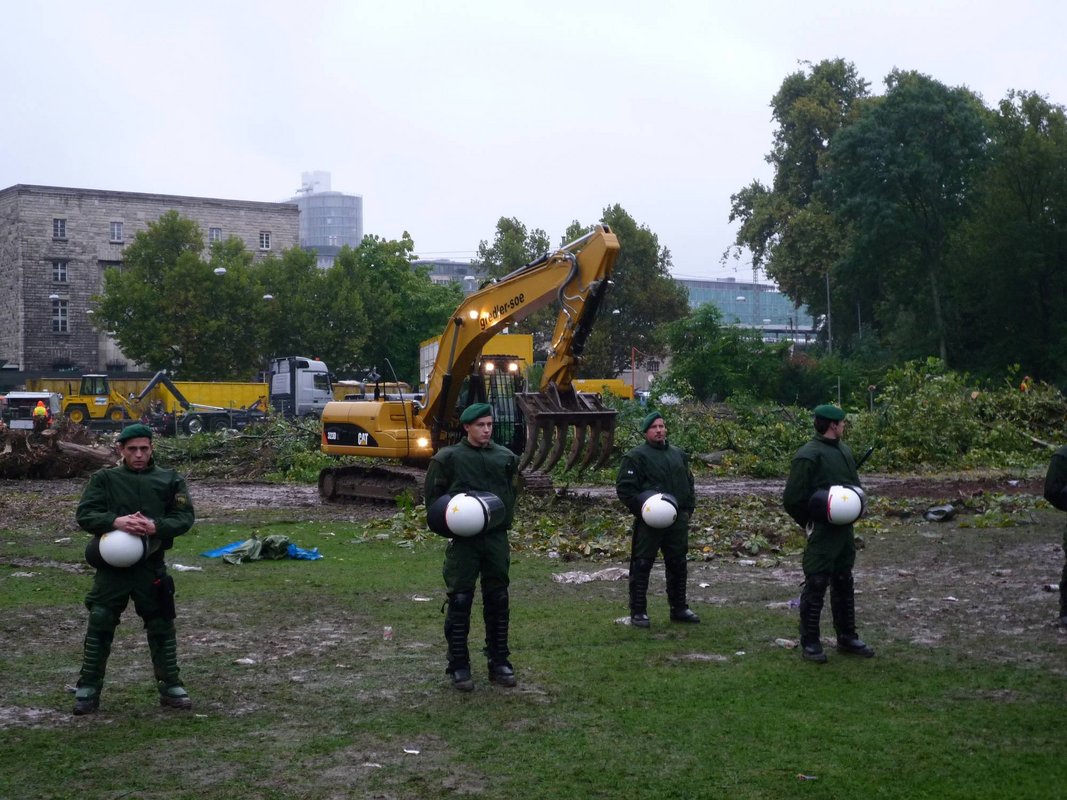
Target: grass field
[(298, 695)]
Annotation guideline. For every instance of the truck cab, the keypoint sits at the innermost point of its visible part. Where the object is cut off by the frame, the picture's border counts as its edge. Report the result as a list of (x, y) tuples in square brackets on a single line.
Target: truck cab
[(299, 386)]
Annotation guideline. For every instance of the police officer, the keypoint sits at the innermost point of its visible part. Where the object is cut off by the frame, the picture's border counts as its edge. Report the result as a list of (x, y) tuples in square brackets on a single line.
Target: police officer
[(148, 501), (477, 463), (831, 549), (1056, 493), (656, 466)]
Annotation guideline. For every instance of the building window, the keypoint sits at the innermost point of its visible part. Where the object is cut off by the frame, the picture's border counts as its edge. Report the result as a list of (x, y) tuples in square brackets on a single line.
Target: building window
[(264, 240), (59, 228), (214, 234), (59, 271), (59, 316), (116, 231)]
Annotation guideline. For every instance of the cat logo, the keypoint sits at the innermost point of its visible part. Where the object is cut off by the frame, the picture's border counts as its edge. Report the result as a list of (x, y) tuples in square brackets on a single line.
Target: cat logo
[(363, 439)]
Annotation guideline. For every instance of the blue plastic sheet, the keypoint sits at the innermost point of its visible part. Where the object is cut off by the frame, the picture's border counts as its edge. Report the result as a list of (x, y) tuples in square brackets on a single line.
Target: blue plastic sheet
[(307, 555), (218, 552), (292, 551)]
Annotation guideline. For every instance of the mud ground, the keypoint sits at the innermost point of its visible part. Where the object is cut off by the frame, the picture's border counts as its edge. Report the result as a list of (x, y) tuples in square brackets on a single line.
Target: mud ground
[(980, 593)]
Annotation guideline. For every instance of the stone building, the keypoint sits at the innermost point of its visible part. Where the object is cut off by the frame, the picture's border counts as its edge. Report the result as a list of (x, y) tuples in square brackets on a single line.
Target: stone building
[(55, 244)]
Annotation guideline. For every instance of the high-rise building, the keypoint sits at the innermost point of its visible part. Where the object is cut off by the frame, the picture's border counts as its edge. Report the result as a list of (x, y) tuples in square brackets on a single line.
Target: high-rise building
[(328, 220)]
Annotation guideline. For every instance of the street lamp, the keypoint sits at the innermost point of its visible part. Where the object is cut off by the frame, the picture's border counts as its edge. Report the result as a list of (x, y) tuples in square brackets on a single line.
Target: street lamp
[(53, 296), (829, 324), (220, 271)]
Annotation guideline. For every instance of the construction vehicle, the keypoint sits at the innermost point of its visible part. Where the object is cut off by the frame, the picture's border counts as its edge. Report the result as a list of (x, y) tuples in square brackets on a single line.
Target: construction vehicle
[(95, 400), (18, 408), (295, 386), (535, 424), (616, 386)]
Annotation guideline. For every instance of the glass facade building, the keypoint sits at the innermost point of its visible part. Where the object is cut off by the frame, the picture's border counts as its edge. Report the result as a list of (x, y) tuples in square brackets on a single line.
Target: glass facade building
[(328, 220), (754, 305)]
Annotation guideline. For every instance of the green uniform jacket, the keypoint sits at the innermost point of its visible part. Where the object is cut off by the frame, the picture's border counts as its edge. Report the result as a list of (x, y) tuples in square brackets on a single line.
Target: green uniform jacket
[(655, 468), (819, 464), (463, 467), (1056, 480), (158, 493)]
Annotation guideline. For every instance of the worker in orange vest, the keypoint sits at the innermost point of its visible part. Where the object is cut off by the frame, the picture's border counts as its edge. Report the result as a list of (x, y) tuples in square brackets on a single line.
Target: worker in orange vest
[(40, 417)]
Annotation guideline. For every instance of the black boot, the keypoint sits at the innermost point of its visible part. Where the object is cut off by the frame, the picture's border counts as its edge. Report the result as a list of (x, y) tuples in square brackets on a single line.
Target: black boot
[(640, 570), (97, 648), (163, 645), (496, 612), (677, 573), (843, 608), (811, 602), (457, 627), (1063, 596)]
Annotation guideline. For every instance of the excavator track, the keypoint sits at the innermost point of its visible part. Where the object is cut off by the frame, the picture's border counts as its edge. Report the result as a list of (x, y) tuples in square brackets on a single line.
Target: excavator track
[(373, 483)]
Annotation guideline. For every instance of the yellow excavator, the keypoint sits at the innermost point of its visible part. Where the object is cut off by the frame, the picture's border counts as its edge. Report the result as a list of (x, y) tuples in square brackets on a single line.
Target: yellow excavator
[(536, 424)]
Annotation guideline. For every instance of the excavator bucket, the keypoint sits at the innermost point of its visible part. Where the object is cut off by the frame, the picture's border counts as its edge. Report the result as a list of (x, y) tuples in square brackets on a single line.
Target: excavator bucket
[(554, 418)]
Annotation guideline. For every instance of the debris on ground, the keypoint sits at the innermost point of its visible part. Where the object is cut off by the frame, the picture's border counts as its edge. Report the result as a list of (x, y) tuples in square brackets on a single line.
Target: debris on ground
[(608, 574), (65, 451)]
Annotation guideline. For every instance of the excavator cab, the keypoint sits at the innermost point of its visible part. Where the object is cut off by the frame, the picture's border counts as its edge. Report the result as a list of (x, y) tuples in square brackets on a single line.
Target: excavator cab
[(497, 380)]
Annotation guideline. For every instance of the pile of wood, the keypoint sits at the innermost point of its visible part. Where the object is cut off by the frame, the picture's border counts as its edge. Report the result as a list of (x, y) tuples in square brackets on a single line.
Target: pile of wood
[(68, 451)]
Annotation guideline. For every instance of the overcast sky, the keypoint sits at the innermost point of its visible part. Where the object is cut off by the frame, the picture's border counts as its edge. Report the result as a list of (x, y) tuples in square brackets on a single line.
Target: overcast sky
[(446, 116)]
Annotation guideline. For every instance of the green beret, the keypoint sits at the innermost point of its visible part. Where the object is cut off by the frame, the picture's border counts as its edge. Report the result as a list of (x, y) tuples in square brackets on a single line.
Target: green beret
[(137, 431), (475, 411), (646, 423), (828, 411)]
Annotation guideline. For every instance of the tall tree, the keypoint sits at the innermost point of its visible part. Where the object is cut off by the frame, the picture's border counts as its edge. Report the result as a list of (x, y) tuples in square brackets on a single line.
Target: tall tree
[(1009, 269), (787, 229), (515, 246), (901, 176), (644, 293), (403, 307), (168, 308), (303, 313)]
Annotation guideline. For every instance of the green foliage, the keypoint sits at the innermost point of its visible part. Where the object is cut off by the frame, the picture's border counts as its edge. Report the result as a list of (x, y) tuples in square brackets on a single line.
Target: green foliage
[(789, 231), (929, 223), (644, 294), (275, 450), (403, 307), (515, 246), (718, 361), (168, 309), (928, 144)]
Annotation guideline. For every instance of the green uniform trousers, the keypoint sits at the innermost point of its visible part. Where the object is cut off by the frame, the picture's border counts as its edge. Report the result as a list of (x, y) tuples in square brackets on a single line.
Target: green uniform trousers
[(487, 554)]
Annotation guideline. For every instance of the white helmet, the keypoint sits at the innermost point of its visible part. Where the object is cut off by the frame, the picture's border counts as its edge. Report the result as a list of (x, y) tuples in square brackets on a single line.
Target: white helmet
[(122, 549), (471, 513), (659, 510), (838, 505)]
